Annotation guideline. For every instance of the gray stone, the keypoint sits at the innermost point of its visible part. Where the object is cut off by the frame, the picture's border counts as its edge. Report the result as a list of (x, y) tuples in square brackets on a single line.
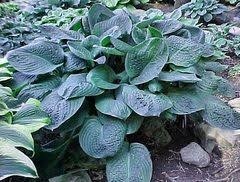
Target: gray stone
[(194, 154)]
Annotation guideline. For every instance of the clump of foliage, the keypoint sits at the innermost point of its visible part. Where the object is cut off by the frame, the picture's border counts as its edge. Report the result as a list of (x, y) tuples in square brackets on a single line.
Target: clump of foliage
[(100, 83), (204, 10), (123, 3), (15, 33), (62, 17), (222, 39), (17, 123), (7, 9)]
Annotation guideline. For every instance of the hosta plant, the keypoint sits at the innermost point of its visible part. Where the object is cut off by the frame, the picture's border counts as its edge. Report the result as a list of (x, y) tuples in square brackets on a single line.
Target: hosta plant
[(222, 39), (62, 17), (100, 83), (17, 123), (205, 10), (123, 3)]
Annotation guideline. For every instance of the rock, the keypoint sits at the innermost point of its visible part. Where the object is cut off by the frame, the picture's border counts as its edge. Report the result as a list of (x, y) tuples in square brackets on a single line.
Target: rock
[(209, 134), (194, 154), (234, 103), (234, 30)]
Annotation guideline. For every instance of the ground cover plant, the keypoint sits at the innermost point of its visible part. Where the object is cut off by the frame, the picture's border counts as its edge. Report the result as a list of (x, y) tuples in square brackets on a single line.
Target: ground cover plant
[(90, 87), (205, 10)]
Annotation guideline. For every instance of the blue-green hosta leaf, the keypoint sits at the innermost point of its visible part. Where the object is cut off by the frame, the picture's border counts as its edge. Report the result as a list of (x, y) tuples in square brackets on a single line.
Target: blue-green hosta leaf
[(31, 117), (76, 85), (106, 104), (77, 120), (218, 114), (213, 66), (225, 88), (179, 51), (209, 83), (79, 175), (142, 67), (122, 21), (175, 76), (195, 33), (185, 102), (98, 13), (138, 34), (60, 109), (102, 137), (103, 77), (86, 49), (74, 63), (39, 57), (15, 163), (132, 163), (134, 122), (39, 90), (20, 80), (144, 103), (16, 135), (214, 84), (56, 33), (112, 32), (79, 50), (110, 3), (168, 26), (195, 69)]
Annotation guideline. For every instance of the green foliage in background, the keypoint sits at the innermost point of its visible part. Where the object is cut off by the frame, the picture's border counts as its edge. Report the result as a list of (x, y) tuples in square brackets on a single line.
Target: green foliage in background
[(204, 10), (7, 9)]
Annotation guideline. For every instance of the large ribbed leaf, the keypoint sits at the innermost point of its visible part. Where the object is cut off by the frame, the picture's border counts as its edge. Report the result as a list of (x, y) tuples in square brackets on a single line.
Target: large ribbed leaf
[(39, 90), (175, 76), (121, 21), (209, 83), (213, 66), (218, 114), (168, 26), (60, 109), (16, 135), (31, 117), (39, 57), (75, 176), (146, 60), (102, 137), (103, 77), (132, 163), (56, 33), (106, 104), (79, 50), (185, 102), (183, 52), (98, 13), (74, 63), (76, 85), (215, 84), (145, 103), (15, 163)]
